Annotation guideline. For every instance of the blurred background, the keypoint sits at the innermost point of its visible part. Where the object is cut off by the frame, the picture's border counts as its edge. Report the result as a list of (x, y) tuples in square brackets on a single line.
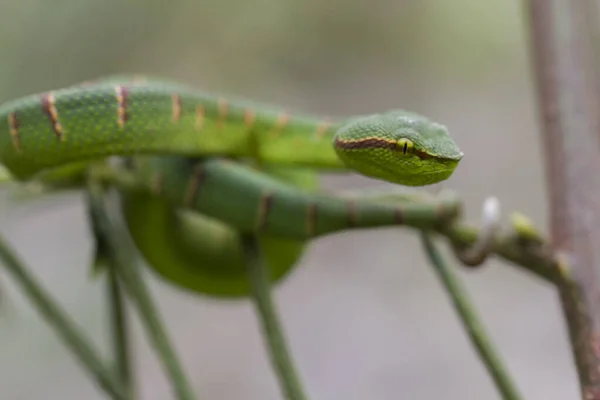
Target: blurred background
[(364, 313)]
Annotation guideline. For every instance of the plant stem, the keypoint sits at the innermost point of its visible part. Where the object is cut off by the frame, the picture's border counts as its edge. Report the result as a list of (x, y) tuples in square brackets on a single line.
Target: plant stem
[(120, 331), (470, 320), (61, 323), (279, 353), (133, 281), (104, 263)]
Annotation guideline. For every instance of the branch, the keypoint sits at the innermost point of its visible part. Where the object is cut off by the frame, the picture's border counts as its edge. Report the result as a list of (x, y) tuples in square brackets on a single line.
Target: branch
[(103, 262), (135, 286), (61, 323), (567, 86), (118, 319), (281, 358), (470, 320)]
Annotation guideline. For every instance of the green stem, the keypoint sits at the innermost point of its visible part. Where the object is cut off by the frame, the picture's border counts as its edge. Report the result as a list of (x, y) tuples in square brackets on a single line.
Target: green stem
[(133, 281), (61, 323), (120, 331), (279, 353), (471, 321)]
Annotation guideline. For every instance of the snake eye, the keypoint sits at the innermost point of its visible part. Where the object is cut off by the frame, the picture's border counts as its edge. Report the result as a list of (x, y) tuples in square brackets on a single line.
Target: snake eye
[(405, 145)]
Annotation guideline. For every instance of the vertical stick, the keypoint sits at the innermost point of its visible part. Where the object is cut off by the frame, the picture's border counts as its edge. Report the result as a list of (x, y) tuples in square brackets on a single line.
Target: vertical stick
[(279, 353), (569, 106), (133, 283), (120, 332)]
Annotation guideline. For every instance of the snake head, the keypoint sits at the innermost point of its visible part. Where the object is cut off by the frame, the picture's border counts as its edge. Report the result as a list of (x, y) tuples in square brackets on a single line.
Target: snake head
[(398, 147)]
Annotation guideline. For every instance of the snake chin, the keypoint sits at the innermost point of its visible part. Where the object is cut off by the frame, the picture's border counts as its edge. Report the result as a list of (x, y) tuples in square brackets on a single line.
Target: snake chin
[(431, 174), (424, 178)]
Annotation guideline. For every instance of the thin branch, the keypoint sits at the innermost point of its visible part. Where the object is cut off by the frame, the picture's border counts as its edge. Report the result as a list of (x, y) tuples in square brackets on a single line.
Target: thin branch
[(279, 353), (133, 281), (104, 263), (538, 259), (471, 321), (567, 83), (120, 331), (61, 323)]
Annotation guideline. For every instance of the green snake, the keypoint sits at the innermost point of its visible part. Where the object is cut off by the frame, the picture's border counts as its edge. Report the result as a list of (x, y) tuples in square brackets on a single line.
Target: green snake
[(187, 205)]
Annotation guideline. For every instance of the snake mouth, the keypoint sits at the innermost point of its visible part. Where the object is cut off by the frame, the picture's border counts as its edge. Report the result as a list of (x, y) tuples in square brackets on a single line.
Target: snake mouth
[(430, 171), (442, 159)]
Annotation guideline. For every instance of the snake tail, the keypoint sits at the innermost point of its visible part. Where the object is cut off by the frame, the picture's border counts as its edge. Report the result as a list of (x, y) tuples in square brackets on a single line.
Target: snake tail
[(252, 202)]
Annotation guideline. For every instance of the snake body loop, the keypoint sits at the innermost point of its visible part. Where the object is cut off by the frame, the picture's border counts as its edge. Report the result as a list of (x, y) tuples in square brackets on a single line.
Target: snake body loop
[(173, 123)]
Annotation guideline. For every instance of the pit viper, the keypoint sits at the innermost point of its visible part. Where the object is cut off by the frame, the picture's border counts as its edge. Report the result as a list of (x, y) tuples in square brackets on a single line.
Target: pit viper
[(208, 167)]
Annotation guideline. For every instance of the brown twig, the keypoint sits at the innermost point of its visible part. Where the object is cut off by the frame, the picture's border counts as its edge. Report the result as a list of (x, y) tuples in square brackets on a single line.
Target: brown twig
[(569, 105)]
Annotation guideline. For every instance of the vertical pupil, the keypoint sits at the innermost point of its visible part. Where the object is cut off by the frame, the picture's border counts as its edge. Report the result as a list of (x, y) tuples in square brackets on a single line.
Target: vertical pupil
[(405, 147)]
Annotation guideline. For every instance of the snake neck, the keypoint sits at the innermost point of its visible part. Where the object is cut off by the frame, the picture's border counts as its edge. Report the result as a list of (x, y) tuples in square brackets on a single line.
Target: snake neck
[(302, 141)]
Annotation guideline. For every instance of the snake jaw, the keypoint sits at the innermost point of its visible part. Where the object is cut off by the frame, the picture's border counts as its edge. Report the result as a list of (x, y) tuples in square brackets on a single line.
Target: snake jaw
[(426, 174)]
